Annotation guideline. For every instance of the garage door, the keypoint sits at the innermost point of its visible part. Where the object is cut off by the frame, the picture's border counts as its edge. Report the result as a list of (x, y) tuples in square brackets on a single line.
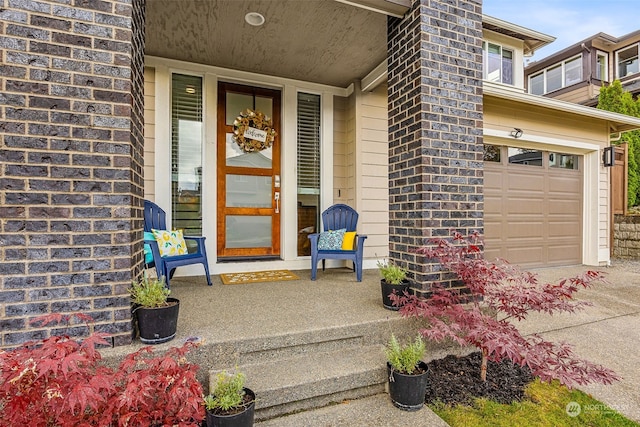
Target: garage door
[(533, 206)]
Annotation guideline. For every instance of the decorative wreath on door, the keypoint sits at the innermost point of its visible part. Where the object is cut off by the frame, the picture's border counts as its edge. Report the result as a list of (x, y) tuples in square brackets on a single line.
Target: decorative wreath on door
[(253, 131)]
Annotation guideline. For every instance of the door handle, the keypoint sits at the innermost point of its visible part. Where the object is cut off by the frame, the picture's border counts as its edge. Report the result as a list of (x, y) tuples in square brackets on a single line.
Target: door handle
[(276, 197)]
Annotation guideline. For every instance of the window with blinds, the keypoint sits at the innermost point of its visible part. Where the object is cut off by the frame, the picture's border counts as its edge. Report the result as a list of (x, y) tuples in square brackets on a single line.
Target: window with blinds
[(308, 144), (186, 153), (308, 169)]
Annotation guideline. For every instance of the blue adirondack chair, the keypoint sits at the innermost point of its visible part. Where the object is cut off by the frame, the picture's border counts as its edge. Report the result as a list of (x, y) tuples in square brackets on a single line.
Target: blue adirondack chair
[(338, 217), (155, 218)]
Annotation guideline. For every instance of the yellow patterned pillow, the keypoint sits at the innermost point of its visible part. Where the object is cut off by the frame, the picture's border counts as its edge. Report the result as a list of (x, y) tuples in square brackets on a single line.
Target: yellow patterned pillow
[(171, 243)]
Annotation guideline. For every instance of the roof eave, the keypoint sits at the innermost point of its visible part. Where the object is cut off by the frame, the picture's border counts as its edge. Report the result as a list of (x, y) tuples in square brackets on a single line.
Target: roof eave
[(395, 8), (617, 122), (533, 40)]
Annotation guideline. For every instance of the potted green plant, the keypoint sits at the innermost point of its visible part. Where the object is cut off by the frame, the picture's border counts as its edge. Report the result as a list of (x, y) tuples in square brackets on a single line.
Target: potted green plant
[(407, 373), (155, 314), (394, 280), (230, 403)]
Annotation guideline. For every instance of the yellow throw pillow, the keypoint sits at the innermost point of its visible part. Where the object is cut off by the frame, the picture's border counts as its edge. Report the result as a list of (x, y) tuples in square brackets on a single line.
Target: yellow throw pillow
[(348, 240), (170, 243)]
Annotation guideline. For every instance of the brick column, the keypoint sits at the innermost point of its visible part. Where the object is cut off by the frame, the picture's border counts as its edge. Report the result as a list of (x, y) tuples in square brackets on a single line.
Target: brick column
[(435, 128), (71, 149)]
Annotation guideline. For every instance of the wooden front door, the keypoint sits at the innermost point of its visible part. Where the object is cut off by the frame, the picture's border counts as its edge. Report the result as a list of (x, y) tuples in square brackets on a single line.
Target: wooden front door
[(248, 184)]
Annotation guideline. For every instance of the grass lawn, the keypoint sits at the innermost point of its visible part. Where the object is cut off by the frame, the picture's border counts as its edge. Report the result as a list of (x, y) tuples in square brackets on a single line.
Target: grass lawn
[(545, 405)]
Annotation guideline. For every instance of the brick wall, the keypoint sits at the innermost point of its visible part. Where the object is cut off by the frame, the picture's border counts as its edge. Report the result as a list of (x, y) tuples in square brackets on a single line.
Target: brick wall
[(435, 128), (626, 236), (70, 162)]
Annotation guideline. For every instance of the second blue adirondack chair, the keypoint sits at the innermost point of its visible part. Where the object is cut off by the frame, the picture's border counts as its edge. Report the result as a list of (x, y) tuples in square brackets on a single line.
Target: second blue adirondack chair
[(335, 218)]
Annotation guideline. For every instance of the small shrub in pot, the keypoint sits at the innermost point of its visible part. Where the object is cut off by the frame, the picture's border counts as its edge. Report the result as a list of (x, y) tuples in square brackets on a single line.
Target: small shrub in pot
[(155, 313), (405, 358), (394, 281), (391, 273), (230, 403), (149, 292), (407, 373)]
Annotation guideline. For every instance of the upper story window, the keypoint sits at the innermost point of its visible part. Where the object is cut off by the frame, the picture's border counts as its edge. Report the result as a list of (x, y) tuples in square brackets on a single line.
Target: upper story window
[(573, 71), (497, 63), (554, 78), (557, 76), (602, 66), (627, 60)]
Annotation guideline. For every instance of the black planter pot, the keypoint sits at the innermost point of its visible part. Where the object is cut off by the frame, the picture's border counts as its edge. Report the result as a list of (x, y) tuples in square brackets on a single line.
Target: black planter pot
[(388, 289), (241, 419), (407, 392), (159, 324)]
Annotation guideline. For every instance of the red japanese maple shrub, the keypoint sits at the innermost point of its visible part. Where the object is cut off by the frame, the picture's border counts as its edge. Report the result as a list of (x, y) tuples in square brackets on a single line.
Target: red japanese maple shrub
[(60, 382), (497, 293), (157, 390), (54, 382)]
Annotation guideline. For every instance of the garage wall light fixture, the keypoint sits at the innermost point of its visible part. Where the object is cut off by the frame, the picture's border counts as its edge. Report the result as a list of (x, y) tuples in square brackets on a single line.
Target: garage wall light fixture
[(607, 156), (516, 133)]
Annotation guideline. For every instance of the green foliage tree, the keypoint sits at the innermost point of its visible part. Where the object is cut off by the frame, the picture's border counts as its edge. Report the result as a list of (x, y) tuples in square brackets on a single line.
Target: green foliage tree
[(614, 98)]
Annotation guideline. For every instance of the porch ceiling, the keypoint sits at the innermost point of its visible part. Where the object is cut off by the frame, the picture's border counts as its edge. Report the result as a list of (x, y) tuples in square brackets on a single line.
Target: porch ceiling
[(321, 41)]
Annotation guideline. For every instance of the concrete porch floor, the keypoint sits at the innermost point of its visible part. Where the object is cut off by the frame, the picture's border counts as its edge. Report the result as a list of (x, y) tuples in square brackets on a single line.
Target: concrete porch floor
[(225, 312), (287, 310)]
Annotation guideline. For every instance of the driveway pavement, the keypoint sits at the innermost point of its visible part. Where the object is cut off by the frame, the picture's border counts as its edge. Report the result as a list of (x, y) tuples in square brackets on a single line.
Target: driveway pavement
[(608, 332)]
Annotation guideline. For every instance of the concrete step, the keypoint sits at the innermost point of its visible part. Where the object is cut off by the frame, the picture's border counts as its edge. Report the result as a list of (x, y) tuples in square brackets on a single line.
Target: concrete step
[(306, 370), (308, 381), (376, 410), (252, 350), (305, 344)]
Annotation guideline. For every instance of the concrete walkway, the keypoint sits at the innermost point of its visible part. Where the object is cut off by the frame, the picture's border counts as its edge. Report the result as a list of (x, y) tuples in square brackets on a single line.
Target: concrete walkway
[(374, 411), (607, 333)]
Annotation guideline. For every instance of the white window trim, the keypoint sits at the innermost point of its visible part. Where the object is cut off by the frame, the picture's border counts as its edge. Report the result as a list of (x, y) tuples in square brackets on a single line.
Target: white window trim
[(485, 61), (617, 64), (604, 78), (564, 74)]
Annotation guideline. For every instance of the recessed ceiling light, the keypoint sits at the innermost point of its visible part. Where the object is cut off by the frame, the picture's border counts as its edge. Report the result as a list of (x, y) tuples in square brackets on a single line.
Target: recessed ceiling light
[(254, 18), (190, 89)]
